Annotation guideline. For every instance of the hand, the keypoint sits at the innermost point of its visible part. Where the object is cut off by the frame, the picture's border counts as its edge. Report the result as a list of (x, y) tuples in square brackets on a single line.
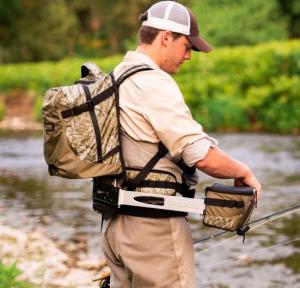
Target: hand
[(251, 181)]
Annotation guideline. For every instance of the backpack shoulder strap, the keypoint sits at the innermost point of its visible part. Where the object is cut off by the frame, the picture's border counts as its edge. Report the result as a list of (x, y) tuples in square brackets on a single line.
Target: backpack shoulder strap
[(131, 71), (162, 150), (90, 104)]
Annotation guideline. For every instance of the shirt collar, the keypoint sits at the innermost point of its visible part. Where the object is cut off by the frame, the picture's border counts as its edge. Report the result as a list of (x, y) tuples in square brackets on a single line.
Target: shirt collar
[(135, 56)]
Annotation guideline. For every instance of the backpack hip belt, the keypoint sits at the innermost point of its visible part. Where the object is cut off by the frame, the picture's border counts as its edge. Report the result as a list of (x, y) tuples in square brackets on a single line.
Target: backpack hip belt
[(224, 207)]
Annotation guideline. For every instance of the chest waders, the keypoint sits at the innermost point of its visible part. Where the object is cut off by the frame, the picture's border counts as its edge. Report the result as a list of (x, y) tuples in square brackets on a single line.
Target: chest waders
[(82, 139)]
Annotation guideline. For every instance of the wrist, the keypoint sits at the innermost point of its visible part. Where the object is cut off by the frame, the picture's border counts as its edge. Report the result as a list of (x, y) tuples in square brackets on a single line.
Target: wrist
[(244, 172)]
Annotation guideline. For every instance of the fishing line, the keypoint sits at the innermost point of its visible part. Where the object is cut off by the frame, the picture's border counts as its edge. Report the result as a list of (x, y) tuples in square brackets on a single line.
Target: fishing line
[(218, 244), (268, 218), (259, 250)]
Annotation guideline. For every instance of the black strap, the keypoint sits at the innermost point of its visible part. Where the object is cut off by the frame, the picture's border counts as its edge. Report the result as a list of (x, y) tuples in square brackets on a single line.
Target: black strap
[(185, 168), (149, 212), (162, 151), (85, 82), (129, 72), (224, 203), (178, 187), (88, 105), (95, 124)]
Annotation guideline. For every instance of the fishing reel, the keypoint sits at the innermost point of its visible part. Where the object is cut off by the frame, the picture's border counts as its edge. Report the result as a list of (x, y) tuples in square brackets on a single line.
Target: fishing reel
[(104, 283), (104, 279)]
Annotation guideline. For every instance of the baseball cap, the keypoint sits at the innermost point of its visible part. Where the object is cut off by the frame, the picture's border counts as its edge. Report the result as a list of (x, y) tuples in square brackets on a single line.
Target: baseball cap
[(173, 16)]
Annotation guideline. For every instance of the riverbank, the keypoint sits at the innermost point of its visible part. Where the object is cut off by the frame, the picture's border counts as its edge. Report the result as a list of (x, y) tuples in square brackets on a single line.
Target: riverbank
[(47, 262), (15, 123), (19, 111)]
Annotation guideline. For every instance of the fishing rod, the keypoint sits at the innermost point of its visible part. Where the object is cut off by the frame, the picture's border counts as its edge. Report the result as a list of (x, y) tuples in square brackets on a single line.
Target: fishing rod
[(231, 259), (267, 219)]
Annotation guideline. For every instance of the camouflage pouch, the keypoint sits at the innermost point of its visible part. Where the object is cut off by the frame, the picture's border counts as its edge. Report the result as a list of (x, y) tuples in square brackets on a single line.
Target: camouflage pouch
[(228, 207)]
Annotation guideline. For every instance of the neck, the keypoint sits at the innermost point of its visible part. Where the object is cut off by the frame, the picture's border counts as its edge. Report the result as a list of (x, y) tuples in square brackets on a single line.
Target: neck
[(151, 52)]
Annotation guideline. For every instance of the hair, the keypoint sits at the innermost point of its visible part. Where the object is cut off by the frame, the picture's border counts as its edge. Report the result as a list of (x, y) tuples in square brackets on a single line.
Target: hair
[(148, 34)]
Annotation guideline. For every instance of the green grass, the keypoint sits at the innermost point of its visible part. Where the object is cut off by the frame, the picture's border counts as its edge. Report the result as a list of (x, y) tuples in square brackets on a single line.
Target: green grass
[(8, 277)]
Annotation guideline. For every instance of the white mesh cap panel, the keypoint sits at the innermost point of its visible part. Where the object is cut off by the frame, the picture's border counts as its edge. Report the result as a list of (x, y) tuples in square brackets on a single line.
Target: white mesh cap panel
[(179, 14), (159, 10), (169, 15)]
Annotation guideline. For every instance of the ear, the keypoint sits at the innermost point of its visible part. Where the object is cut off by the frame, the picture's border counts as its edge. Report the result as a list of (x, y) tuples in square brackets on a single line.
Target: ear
[(166, 38)]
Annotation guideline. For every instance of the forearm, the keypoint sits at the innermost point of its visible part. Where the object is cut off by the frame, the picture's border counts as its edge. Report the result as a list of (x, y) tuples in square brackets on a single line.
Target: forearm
[(220, 165)]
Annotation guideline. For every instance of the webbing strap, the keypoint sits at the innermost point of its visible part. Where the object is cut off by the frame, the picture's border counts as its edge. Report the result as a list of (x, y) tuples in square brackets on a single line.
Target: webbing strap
[(224, 203), (85, 82), (162, 151), (88, 105), (178, 187), (95, 124), (129, 72), (185, 168), (149, 212)]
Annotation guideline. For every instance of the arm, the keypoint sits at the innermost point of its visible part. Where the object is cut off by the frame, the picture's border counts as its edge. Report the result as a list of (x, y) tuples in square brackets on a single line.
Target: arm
[(218, 164)]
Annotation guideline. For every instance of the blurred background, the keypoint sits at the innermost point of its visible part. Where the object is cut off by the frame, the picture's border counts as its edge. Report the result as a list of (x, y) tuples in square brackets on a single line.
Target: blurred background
[(52, 30), (246, 93)]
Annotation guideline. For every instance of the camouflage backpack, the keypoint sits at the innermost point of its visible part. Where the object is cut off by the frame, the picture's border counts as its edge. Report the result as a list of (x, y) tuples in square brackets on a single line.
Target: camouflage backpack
[(81, 125)]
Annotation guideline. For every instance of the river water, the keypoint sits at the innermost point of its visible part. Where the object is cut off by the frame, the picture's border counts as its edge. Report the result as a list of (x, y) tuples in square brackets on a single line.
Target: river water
[(270, 256)]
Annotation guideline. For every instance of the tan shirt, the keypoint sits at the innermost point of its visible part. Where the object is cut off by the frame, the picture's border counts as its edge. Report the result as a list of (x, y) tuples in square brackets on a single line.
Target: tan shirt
[(153, 110)]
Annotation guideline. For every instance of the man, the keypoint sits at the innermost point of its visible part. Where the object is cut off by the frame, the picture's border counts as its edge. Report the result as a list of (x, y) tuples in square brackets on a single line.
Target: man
[(158, 252)]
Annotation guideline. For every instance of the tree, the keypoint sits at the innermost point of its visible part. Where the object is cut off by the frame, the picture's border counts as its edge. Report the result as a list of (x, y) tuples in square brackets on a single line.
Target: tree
[(240, 22), (113, 23), (34, 30), (291, 9)]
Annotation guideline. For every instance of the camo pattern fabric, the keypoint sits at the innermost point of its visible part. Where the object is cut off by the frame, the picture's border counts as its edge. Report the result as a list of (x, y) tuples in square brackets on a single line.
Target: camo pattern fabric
[(59, 99), (222, 222), (154, 176), (228, 218), (79, 129)]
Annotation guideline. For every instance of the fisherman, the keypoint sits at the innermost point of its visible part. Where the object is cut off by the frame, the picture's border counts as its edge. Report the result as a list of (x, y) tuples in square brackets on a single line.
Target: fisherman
[(144, 250)]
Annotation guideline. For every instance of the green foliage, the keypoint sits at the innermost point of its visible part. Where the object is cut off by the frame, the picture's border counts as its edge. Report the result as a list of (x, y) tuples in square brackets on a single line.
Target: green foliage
[(240, 22), (38, 77), (32, 30), (245, 88), (50, 30), (8, 277), (2, 111), (242, 88), (291, 9)]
